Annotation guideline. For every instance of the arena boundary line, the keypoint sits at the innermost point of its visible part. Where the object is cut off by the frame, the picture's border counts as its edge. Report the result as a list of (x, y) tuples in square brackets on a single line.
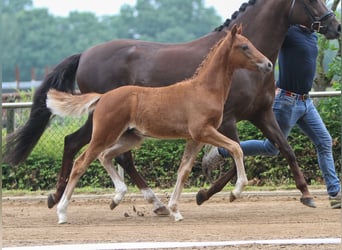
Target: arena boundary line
[(161, 245), (186, 195)]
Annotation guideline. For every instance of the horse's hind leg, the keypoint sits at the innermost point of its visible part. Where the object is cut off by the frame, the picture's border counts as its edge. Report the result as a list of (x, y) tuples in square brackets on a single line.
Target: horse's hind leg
[(126, 161), (72, 144), (191, 150)]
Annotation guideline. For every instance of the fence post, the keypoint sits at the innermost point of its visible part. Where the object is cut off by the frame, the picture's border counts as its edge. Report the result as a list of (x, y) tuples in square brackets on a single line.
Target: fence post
[(10, 120)]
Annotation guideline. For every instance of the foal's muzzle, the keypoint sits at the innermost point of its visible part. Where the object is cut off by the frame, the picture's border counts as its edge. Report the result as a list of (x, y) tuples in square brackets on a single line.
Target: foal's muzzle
[(266, 66)]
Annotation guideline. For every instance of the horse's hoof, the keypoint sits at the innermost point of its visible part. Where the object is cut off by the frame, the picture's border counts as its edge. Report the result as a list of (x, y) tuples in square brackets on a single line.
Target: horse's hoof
[(232, 197), (112, 205), (308, 202), (201, 197), (51, 201), (162, 211)]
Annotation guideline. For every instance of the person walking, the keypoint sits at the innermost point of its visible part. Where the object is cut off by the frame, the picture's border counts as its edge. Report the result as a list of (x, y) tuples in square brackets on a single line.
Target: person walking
[(293, 106)]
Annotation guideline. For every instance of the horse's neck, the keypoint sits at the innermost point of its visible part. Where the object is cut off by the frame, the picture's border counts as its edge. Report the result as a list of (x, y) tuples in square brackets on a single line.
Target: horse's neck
[(207, 42), (265, 24)]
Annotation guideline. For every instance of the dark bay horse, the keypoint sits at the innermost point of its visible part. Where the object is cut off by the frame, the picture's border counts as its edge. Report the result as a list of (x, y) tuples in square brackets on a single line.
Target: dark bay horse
[(123, 62), (191, 109)]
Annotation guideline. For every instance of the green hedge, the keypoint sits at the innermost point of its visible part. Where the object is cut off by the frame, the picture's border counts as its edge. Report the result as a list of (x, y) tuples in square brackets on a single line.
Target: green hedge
[(158, 160)]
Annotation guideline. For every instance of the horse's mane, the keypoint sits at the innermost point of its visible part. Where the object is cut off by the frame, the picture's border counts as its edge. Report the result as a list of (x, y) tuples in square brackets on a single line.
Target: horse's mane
[(220, 28), (235, 15)]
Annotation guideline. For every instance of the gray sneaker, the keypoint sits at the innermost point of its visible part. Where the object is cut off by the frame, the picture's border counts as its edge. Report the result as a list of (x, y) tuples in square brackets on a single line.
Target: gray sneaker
[(335, 201), (211, 160)]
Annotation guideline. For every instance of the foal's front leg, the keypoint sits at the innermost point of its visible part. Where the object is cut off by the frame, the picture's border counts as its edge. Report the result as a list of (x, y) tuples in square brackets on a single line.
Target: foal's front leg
[(191, 150), (217, 139)]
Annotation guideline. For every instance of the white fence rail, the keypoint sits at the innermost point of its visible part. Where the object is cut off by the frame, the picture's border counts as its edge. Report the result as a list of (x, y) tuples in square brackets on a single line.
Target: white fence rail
[(313, 94), (22, 105)]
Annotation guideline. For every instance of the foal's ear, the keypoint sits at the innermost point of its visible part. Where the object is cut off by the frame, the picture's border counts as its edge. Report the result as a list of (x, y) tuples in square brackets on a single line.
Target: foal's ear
[(234, 30), (239, 29)]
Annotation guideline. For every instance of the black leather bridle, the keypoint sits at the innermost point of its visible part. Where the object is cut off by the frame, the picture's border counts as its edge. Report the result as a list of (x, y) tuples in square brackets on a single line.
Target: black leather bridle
[(316, 24)]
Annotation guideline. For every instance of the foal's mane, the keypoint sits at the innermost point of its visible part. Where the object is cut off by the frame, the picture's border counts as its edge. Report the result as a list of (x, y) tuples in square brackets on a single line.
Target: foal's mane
[(235, 15), (209, 55)]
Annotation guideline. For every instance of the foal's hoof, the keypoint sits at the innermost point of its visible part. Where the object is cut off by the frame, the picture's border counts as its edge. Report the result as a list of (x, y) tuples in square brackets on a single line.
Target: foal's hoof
[(177, 216), (51, 201), (62, 220), (308, 202), (232, 197), (162, 211), (201, 197)]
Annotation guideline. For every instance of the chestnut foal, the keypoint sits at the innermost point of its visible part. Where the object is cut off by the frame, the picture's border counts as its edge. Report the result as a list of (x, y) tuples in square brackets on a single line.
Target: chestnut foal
[(191, 109)]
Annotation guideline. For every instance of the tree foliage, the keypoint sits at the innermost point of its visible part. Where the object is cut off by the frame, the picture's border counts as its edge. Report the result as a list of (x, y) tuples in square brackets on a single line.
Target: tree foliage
[(328, 70), (34, 38)]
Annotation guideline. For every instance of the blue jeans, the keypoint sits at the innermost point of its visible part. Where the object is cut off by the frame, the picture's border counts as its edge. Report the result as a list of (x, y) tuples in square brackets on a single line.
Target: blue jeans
[(290, 111)]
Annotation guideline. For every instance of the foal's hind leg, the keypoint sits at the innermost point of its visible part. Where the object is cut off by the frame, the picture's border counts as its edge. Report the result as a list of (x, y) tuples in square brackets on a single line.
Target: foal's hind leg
[(120, 186), (80, 166), (125, 143), (126, 161), (191, 150)]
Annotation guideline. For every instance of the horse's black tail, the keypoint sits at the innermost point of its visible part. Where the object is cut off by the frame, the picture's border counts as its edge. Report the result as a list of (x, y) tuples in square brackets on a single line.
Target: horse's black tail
[(21, 142)]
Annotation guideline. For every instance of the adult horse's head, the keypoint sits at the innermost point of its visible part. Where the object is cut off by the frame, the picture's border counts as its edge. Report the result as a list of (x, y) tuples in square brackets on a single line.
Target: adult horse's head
[(318, 17)]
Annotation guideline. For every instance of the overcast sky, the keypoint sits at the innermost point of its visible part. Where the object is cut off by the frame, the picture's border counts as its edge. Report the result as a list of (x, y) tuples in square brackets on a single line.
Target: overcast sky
[(109, 7)]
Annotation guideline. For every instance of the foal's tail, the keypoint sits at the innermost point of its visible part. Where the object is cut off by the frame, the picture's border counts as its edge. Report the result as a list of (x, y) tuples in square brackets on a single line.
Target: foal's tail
[(65, 104), (20, 143)]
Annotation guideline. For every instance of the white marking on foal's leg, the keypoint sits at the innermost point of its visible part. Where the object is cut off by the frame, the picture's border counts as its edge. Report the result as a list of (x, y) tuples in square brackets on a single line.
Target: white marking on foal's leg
[(62, 210), (120, 187), (173, 202), (175, 196), (149, 195), (241, 181), (191, 150), (158, 207), (120, 190)]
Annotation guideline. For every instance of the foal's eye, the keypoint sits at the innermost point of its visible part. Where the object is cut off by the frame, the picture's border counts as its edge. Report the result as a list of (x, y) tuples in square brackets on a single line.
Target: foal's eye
[(244, 47)]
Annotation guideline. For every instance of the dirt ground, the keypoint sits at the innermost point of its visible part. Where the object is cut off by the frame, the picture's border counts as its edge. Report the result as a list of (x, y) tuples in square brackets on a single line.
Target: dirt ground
[(256, 216)]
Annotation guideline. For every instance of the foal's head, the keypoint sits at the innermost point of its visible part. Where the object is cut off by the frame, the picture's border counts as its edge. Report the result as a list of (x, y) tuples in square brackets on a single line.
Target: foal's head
[(243, 54)]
